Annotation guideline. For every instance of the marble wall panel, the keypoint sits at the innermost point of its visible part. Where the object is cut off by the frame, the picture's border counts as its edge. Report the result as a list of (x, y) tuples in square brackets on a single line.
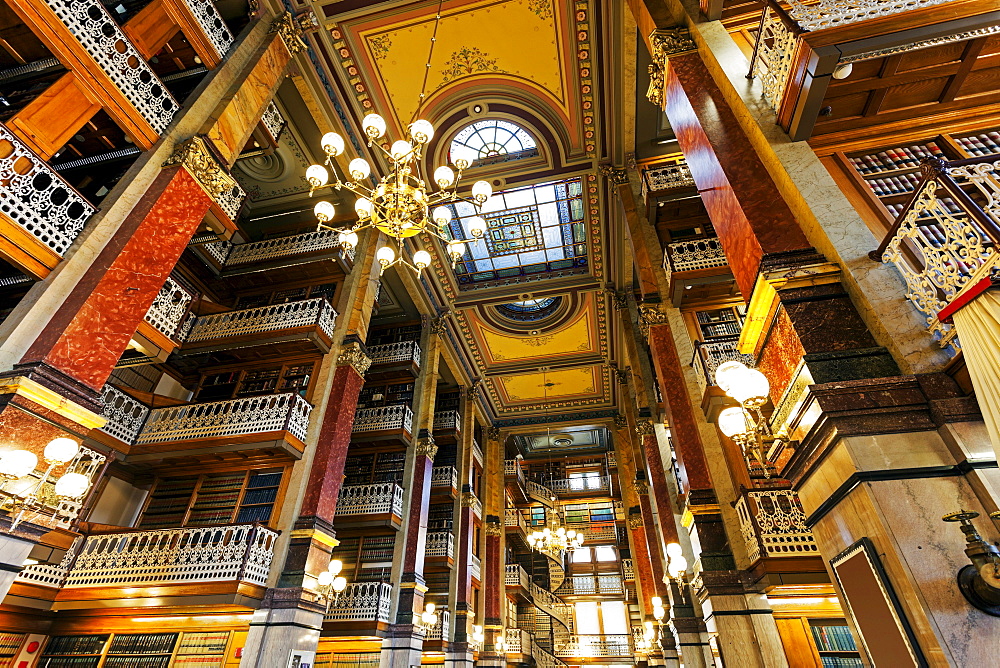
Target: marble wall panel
[(659, 488), (780, 356)]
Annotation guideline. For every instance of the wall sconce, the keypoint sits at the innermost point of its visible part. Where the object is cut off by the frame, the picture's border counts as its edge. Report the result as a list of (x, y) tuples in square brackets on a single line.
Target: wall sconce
[(649, 640), (331, 582), (659, 612), (428, 618), (676, 564), (499, 644), (746, 425), (33, 497), (979, 581)]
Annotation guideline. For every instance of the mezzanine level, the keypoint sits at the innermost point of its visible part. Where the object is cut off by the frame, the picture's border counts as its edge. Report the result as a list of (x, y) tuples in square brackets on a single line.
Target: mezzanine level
[(377, 504), (287, 254), (362, 608), (588, 647), (383, 423), (401, 355)]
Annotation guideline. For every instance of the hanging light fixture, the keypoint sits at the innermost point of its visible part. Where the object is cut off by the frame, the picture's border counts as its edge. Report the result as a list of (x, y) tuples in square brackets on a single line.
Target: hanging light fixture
[(401, 205), (745, 424), (34, 497)]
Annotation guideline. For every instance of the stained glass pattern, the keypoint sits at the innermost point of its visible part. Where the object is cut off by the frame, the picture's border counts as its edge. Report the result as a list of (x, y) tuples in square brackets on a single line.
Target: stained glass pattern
[(492, 139)]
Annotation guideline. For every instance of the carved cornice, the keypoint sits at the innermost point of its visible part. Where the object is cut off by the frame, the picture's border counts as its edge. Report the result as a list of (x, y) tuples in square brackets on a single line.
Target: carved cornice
[(644, 428), (425, 446), (493, 433), (198, 160), (290, 31), (618, 175), (649, 315), (666, 43), (353, 355), (621, 422), (635, 521)]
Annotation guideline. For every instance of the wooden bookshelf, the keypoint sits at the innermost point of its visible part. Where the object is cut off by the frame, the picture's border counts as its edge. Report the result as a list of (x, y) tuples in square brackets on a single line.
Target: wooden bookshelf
[(190, 649), (394, 335), (255, 299), (366, 468), (10, 644), (387, 394), (213, 499), (367, 558), (73, 651), (222, 384), (834, 643)]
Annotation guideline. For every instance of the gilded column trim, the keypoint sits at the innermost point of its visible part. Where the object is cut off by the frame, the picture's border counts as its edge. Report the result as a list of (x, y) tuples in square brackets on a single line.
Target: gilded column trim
[(644, 428), (354, 356), (425, 446), (665, 43), (290, 32), (195, 156)]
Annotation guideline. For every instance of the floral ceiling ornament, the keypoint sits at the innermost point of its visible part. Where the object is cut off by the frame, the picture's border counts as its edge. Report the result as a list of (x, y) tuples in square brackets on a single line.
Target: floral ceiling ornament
[(541, 8), (466, 61)]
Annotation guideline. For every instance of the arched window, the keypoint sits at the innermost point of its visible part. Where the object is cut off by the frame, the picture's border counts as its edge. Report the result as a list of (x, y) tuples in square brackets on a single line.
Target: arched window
[(493, 140), (532, 309)]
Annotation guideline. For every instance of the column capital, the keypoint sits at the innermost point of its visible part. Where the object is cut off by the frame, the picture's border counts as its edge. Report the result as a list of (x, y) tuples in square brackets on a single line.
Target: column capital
[(621, 422), (644, 428), (290, 31), (649, 316), (617, 175), (635, 521), (641, 487), (493, 433), (196, 157), (493, 526), (439, 324), (665, 43), (469, 499), (425, 446), (353, 355)]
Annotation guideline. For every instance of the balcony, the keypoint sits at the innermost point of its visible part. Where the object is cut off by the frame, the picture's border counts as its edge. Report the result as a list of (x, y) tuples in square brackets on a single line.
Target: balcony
[(40, 214), (363, 604), (581, 486), (447, 421), (710, 355), (628, 570), (234, 560), (383, 423), (283, 253), (126, 415), (661, 179), (596, 646), (441, 545), (477, 452), (472, 501), (476, 569), (293, 327), (168, 318), (513, 519), (276, 419), (440, 631), (945, 239), (515, 481), (516, 576), (603, 533), (773, 525), (694, 262), (402, 355), (370, 505), (444, 480), (593, 585)]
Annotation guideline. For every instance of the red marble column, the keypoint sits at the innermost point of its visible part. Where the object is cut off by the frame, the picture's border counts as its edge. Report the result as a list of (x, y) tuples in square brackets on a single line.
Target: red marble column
[(659, 487), (91, 330), (411, 595), (648, 528), (493, 573), (651, 584), (463, 570)]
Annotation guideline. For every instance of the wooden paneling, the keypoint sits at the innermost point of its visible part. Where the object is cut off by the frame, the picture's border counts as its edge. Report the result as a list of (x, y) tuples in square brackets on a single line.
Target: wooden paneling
[(151, 28), (52, 118)]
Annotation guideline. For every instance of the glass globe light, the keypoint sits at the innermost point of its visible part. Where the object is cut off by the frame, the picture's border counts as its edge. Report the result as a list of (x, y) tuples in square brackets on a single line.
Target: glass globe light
[(72, 485), (727, 373), (656, 601), (325, 579), (561, 531), (462, 157), (400, 150), (429, 608), (335, 566), (546, 532), (659, 613), (373, 125), (317, 176), (571, 534), (324, 210), (348, 238), (332, 143), (442, 215), (422, 131), (17, 463), (456, 249), (339, 583), (751, 388), (732, 422), (477, 226), (677, 566), (385, 255), (359, 169), (481, 191), (363, 207), (421, 259), (674, 550), (444, 176), (61, 450)]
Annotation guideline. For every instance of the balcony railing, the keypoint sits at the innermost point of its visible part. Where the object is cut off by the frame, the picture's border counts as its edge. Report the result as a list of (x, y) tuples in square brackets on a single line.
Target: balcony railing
[(362, 602), (383, 418), (592, 585), (516, 576), (539, 492), (477, 567), (395, 353), (514, 518), (441, 544), (51, 575), (230, 255), (376, 499), (710, 355), (234, 417), (107, 44), (569, 486), (596, 646), (477, 452), (239, 552), (169, 309), (946, 236), (125, 415), (440, 630), (515, 640), (274, 121), (692, 255), (447, 421), (272, 318), (601, 532), (212, 25), (512, 467), (665, 177), (444, 476), (34, 196), (773, 524), (612, 459), (628, 570)]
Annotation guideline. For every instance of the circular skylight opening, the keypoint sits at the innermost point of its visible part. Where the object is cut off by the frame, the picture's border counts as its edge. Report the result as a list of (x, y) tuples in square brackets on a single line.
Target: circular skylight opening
[(531, 309), (494, 140)]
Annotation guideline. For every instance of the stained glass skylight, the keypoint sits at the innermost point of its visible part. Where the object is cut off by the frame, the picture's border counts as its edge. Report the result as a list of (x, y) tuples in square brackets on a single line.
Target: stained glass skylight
[(530, 230), (530, 309), (495, 140)]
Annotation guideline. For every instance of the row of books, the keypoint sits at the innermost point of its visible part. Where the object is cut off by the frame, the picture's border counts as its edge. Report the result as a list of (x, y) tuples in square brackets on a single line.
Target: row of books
[(143, 643), (892, 159), (75, 645), (209, 642), (841, 662), (947, 203), (159, 661), (833, 638), (195, 661), (894, 185), (10, 643), (69, 661), (985, 144)]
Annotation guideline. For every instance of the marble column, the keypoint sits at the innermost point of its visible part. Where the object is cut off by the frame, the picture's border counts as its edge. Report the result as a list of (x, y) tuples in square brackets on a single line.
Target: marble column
[(645, 582), (459, 654), (493, 564)]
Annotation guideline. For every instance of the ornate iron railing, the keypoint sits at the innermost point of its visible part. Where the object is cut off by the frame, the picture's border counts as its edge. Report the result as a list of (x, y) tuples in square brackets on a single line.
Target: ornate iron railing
[(393, 353), (539, 492), (34, 196), (169, 308), (239, 552), (383, 418), (514, 518), (593, 585), (612, 459), (516, 576), (442, 629), (513, 467), (51, 575), (816, 15), (375, 499), (710, 355), (476, 568), (231, 200), (212, 25), (316, 311), (273, 120), (233, 417), (477, 452), (441, 544), (447, 421), (595, 531), (773, 524), (694, 254), (362, 602), (664, 177), (101, 37), (773, 53), (628, 570), (515, 640), (230, 255), (444, 476), (543, 658), (125, 415), (946, 238), (596, 646), (566, 486)]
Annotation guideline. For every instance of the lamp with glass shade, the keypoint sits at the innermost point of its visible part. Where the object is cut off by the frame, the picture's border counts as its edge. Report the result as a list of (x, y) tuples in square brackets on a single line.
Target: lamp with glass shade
[(331, 582), (746, 424), (25, 496)]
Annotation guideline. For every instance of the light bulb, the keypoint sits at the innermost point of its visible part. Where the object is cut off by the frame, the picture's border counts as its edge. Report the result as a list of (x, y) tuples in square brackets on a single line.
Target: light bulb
[(456, 249), (546, 532), (373, 125), (421, 259), (324, 210), (656, 601), (385, 255), (336, 565), (17, 463), (332, 143), (339, 583), (444, 176), (561, 531), (429, 607), (317, 176), (481, 191), (751, 388), (675, 550), (677, 566), (422, 131), (477, 226), (462, 157), (732, 421), (400, 150), (72, 485), (359, 169), (325, 579), (61, 450), (363, 207), (348, 238), (571, 534), (442, 215), (659, 613)]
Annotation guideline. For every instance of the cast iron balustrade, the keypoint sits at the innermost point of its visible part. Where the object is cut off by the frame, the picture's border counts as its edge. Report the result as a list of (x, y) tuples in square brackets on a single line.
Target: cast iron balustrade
[(477, 452), (395, 353), (273, 120), (107, 44), (376, 499), (515, 640), (570, 486), (476, 569), (612, 459), (592, 585), (516, 576), (125, 415), (51, 575), (543, 658), (444, 476), (383, 418), (442, 628), (362, 602), (36, 198), (237, 552), (773, 524), (476, 505), (628, 570), (212, 25), (596, 646), (274, 318), (447, 421), (514, 518), (693, 254), (596, 532), (230, 256), (233, 417), (441, 544), (512, 467), (169, 308), (231, 200), (539, 492), (710, 355), (945, 239), (665, 177)]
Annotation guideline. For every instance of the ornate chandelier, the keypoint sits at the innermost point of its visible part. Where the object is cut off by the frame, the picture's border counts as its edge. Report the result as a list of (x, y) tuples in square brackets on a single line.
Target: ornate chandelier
[(555, 537), (400, 205)]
